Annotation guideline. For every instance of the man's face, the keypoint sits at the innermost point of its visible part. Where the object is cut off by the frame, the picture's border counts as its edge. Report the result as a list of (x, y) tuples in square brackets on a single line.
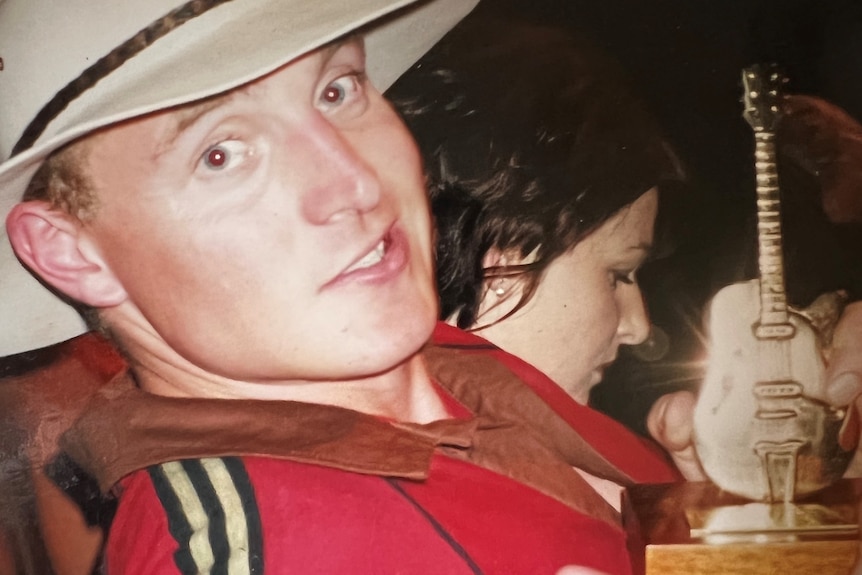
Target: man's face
[(278, 232)]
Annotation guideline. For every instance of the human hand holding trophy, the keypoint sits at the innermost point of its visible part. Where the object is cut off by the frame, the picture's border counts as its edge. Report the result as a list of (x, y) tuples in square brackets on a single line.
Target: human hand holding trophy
[(765, 430)]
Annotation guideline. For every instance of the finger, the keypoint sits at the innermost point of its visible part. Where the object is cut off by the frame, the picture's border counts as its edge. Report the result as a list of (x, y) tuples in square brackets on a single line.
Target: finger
[(671, 424), (844, 372), (688, 464), (848, 435), (671, 420), (579, 570)]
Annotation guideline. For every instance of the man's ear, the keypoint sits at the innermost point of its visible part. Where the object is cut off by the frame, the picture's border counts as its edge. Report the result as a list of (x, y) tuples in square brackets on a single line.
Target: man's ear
[(54, 246)]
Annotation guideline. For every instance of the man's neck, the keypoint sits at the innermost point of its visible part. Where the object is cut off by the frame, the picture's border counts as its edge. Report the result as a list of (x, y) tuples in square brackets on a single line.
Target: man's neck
[(403, 393)]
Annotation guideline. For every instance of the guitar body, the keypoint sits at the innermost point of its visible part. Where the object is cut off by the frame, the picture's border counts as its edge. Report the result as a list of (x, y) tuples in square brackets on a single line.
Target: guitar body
[(762, 427)]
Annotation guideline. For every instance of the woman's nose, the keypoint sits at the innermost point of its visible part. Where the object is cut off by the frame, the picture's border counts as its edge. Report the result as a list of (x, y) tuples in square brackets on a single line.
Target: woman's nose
[(634, 326)]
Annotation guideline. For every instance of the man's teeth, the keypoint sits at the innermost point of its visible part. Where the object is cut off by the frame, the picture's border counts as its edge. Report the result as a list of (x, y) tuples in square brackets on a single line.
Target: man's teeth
[(373, 257)]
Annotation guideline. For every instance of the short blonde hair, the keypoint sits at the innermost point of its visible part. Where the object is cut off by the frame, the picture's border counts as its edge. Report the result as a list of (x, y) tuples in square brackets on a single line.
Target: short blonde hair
[(63, 181)]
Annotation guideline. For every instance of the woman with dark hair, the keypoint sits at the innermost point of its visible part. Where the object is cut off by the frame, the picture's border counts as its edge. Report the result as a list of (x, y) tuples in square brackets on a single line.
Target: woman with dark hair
[(531, 146), (543, 176)]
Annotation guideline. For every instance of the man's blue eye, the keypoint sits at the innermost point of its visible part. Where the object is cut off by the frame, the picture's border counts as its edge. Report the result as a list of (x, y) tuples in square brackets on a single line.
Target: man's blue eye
[(342, 90), (216, 157), (333, 94), (226, 155)]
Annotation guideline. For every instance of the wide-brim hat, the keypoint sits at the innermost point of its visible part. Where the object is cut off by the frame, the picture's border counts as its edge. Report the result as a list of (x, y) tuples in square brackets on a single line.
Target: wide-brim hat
[(70, 67)]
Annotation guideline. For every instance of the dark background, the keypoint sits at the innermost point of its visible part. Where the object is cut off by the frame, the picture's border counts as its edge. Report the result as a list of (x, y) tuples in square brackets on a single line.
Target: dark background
[(684, 59)]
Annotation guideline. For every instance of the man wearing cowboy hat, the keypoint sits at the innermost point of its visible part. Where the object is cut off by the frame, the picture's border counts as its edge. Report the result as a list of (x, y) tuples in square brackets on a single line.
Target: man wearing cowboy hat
[(220, 186)]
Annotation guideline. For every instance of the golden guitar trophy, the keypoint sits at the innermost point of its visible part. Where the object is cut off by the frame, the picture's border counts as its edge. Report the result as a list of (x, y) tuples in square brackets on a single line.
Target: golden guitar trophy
[(764, 433)]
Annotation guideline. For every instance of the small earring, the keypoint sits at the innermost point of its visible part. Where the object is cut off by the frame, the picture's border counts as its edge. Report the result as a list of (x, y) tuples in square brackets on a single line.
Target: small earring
[(500, 290)]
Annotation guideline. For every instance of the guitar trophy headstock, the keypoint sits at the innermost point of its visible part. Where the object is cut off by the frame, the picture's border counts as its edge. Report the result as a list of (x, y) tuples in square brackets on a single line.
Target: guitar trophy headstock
[(763, 86)]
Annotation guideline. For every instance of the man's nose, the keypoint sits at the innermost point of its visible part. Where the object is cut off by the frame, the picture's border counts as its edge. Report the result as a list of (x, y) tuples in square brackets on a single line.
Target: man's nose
[(340, 181), (634, 326)]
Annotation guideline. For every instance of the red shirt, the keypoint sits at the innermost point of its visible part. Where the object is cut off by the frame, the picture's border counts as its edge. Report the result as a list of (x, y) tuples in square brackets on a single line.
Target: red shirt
[(312, 519)]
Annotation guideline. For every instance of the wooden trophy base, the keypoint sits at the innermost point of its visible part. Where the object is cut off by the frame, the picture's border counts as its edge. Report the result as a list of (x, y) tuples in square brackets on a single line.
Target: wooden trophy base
[(696, 528)]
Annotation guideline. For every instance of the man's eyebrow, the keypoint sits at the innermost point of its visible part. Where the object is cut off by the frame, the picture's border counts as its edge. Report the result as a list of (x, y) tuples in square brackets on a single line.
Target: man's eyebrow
[(330, 49), (186, 117)]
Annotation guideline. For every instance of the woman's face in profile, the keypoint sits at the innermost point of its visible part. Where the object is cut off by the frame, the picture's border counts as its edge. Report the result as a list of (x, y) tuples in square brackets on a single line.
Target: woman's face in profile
[(587, 303)]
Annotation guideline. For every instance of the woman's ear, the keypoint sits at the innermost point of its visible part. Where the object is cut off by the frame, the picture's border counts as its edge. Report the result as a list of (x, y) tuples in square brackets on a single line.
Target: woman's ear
[(495, 258), (500, 294), (53, 245)]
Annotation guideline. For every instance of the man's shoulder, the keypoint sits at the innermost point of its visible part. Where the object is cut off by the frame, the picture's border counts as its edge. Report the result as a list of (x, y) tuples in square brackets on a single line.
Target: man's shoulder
[(44, 391), (54, 383), (174, 515), (41, 393)]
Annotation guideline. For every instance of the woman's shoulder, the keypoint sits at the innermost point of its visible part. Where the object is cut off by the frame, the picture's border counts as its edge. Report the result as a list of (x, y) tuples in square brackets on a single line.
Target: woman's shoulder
[(637, 458)]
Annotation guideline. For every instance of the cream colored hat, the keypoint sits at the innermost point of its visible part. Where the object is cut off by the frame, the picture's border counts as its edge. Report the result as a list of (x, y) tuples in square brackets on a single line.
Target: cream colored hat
[(71, 66)]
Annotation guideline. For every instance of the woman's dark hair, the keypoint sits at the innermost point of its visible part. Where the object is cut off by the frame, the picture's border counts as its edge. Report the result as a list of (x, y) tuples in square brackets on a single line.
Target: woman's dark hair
[(531, 141)]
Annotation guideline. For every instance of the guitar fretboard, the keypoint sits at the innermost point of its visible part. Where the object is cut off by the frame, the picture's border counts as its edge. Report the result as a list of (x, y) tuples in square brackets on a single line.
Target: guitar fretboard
[(773, 300)]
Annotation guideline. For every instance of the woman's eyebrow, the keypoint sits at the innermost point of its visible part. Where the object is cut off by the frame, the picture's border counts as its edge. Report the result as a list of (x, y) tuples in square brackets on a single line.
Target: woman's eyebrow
[(646, 247)]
